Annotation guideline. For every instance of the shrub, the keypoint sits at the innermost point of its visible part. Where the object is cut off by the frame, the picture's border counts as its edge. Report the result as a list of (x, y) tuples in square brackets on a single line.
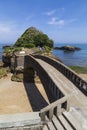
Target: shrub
[(30, 45)]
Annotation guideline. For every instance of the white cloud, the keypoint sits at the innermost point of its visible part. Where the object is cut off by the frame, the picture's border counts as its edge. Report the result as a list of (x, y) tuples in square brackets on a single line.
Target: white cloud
[(72, 20), (9, 31), (29, 17), (49, 13), (56, 21), (61, 22), (4, 28)]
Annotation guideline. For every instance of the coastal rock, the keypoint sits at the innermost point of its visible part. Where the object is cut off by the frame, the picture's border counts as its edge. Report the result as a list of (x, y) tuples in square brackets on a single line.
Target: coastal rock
[(6, 58), (1, 64), (68, 48), (6, 46)]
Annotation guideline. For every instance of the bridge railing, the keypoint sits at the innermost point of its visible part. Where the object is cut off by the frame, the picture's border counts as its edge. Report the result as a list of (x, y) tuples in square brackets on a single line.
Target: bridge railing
[(56, 107), (49, 85), (70, 74), (62, 99)]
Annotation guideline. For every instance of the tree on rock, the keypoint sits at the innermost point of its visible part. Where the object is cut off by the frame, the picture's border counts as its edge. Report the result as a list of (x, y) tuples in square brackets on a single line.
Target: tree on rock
[(33, 38)]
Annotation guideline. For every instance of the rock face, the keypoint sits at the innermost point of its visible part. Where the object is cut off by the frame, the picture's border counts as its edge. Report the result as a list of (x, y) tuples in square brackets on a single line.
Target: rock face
[(7, 46), (6, 58), (68, 48)]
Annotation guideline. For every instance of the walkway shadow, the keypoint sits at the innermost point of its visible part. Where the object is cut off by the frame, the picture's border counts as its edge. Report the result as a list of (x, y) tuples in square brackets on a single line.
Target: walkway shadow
[(35, 98)]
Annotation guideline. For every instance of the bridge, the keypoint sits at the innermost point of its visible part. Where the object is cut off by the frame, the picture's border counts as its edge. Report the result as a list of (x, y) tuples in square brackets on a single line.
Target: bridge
[(65, 89)]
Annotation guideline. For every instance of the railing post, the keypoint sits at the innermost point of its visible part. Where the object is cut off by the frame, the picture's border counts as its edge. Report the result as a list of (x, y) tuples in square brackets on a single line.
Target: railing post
[(51, 114), (68, 104), (84, 86), (59, 109), (42, 115)]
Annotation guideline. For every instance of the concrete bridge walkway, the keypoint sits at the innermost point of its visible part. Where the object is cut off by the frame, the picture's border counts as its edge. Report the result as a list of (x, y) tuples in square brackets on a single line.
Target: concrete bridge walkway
[(76, 118), (65, 85)]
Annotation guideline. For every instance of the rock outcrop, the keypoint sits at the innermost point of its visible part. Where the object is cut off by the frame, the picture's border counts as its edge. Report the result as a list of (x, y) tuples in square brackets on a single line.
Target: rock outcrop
[(68, 48), (32, 37), (6, 58)]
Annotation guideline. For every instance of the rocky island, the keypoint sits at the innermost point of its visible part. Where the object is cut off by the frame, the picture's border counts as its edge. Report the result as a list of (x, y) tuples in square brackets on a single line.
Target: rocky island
[(68, 48), (32, 39)]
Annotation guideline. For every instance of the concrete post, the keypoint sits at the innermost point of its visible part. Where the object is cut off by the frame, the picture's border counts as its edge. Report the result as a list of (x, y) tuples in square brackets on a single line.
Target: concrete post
[(59, 109)]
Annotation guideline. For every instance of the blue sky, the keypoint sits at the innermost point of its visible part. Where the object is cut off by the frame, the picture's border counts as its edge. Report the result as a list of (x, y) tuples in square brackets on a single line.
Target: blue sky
[(62, 20)]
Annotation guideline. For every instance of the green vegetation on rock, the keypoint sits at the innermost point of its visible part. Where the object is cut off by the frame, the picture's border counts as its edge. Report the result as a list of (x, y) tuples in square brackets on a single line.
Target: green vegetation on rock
[(33, 38), (79, 69), (12, 49)]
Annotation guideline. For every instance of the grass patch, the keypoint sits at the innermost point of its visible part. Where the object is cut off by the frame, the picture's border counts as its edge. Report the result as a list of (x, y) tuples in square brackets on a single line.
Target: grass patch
[(12, 49), (4, 72), (79, 70)]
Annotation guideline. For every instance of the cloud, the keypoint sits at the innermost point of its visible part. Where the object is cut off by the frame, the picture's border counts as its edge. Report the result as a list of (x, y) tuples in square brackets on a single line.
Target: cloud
[(9, 31), (49, 13), (72, 20), (4, 28), (29, 17), (56, 21), (61, 22)]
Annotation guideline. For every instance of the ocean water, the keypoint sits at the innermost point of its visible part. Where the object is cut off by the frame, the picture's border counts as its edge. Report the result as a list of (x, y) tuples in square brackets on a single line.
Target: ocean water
[(76, 58)]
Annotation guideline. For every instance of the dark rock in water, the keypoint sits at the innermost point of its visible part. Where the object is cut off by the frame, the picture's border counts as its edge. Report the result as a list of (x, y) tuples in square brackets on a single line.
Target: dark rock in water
[(68, 48), (7, 46)]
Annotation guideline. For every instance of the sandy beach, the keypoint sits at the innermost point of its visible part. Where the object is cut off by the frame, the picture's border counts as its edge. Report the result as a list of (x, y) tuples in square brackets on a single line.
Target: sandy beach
[(14, 98)]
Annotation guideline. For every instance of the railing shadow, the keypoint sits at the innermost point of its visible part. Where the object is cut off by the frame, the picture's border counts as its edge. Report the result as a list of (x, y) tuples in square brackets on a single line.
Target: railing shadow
[(35, 98)]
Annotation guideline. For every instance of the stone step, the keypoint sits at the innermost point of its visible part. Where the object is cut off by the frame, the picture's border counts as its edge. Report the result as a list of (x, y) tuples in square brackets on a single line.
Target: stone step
[(57, 124), (73, 121), (45, 127), (66, 124), (51, 126), (19, 120), (49, 123)]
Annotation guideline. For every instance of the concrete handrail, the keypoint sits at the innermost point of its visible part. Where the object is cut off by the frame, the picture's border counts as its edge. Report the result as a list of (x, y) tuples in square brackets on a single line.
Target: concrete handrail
[(65, 70), (38, 67), (58, 106)]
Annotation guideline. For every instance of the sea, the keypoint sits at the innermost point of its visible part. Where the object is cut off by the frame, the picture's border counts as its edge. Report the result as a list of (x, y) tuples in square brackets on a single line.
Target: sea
[(72, 58), (75, 58)]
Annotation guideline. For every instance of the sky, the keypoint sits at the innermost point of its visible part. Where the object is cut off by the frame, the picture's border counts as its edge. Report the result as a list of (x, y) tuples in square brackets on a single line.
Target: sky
[(64, 21)]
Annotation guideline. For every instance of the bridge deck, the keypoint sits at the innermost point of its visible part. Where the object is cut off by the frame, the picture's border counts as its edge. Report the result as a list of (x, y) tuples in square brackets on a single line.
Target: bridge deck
[(72, 120), (78, 99)]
